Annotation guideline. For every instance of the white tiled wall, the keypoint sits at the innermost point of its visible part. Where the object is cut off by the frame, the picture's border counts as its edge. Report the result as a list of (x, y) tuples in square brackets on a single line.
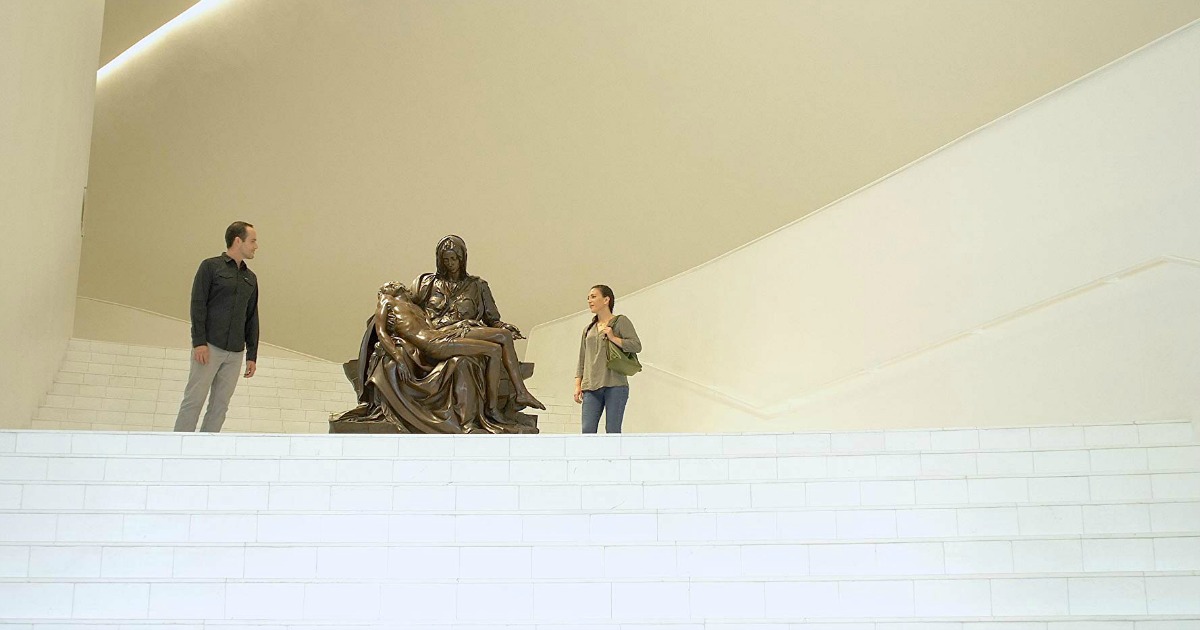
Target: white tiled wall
[(111, 386), (905, 530), (562, 415)]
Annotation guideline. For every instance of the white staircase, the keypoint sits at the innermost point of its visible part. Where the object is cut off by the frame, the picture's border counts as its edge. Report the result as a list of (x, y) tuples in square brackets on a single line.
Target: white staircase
[(111, 386), (562, 415), (1048, 528), (105, 386)]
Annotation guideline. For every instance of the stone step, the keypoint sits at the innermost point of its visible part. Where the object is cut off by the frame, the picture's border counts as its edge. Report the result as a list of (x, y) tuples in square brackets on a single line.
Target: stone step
[(108, 386), (1025, 622), (892, 468), (372, 493), (308, 525), (1092, 527), (1040, 555), (1029, 439), (572, 601)]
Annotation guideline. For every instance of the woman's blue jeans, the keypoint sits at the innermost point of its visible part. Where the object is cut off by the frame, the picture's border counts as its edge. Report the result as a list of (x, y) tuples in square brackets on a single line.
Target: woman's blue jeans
[(597, 401)]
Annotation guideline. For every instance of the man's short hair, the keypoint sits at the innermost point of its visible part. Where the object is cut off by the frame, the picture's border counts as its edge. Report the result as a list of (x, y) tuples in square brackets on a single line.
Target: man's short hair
[(237, 229)]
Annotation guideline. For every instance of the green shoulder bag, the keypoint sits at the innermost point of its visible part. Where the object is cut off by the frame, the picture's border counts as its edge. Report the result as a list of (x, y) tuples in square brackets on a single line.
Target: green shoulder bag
[(620, 361)]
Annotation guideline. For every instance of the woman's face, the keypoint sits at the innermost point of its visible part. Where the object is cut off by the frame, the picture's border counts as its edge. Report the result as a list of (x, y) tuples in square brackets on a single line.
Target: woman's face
[(596, 302), (451, 262)]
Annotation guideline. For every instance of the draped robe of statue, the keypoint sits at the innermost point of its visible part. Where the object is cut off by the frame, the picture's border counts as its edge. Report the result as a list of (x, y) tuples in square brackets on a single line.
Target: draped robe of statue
[(417, 397)]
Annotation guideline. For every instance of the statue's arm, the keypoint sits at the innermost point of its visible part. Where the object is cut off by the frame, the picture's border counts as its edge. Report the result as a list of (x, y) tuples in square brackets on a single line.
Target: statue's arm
[(491, 313), (385, 338), (389, 344)]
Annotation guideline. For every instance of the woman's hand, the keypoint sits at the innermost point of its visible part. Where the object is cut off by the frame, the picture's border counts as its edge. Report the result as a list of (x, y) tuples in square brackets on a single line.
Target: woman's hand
[(608, 332), (579, 395)]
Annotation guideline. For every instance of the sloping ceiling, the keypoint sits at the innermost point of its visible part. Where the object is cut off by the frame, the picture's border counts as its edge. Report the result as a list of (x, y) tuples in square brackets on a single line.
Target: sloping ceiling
[(127, 21), (569, 142)]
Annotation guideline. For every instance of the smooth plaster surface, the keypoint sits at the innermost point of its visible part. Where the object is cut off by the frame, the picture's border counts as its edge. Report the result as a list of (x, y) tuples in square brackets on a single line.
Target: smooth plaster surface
[(97, 320), (127, 21), (47, 87), (1044, 269), (570, 143)]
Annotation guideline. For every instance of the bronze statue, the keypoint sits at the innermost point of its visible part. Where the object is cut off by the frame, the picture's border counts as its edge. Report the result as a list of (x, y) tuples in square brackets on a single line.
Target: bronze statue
[(415, 381), (419, 379)]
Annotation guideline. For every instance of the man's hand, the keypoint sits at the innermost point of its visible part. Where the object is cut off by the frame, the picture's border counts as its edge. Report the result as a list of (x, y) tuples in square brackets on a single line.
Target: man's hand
[(200, 353), (250, 366), (578, 395)]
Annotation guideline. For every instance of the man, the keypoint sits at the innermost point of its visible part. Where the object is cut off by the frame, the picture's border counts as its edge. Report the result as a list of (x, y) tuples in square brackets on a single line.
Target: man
[(224, 323)]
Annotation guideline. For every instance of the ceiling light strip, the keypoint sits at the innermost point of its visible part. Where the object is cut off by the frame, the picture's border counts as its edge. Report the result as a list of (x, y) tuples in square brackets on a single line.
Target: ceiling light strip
[(157, 36)]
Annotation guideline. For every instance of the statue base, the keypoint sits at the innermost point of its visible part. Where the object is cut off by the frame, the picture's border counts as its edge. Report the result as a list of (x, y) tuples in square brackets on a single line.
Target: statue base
[(346, 426), (381, 427)]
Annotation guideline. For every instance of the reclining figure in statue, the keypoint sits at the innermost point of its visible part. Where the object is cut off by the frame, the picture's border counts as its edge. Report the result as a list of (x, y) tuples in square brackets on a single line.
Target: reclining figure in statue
[(397, 316)]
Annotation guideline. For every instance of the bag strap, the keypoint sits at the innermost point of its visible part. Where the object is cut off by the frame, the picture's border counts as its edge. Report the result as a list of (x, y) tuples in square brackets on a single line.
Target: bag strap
[(596, 322), (610, 341), (612, 321)]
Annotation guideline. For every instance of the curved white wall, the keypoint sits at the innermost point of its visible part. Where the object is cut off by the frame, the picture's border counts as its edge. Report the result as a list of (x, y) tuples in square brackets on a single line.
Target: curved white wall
[(48, 51), (1013, 228), (534, 130)]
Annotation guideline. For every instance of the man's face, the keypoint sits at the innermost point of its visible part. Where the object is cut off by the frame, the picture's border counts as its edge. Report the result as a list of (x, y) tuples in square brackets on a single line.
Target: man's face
[(450, 261), (247, 247)]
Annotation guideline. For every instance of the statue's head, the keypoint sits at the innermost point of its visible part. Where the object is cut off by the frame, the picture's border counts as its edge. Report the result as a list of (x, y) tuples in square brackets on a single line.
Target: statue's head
[(451, 257), (395, 289)]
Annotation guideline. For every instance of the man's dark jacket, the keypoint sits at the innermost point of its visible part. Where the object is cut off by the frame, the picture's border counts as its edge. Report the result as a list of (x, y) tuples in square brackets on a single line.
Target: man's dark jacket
[(225, 306)]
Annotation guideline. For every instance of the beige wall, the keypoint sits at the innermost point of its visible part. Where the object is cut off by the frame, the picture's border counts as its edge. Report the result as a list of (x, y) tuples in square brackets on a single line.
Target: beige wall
[(570, 141), (48, 53), (98, 320), (1045, 269), (126, 22)]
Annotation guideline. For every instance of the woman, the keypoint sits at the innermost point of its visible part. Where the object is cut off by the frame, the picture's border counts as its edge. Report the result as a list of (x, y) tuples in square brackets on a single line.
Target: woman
[(597, 388)]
